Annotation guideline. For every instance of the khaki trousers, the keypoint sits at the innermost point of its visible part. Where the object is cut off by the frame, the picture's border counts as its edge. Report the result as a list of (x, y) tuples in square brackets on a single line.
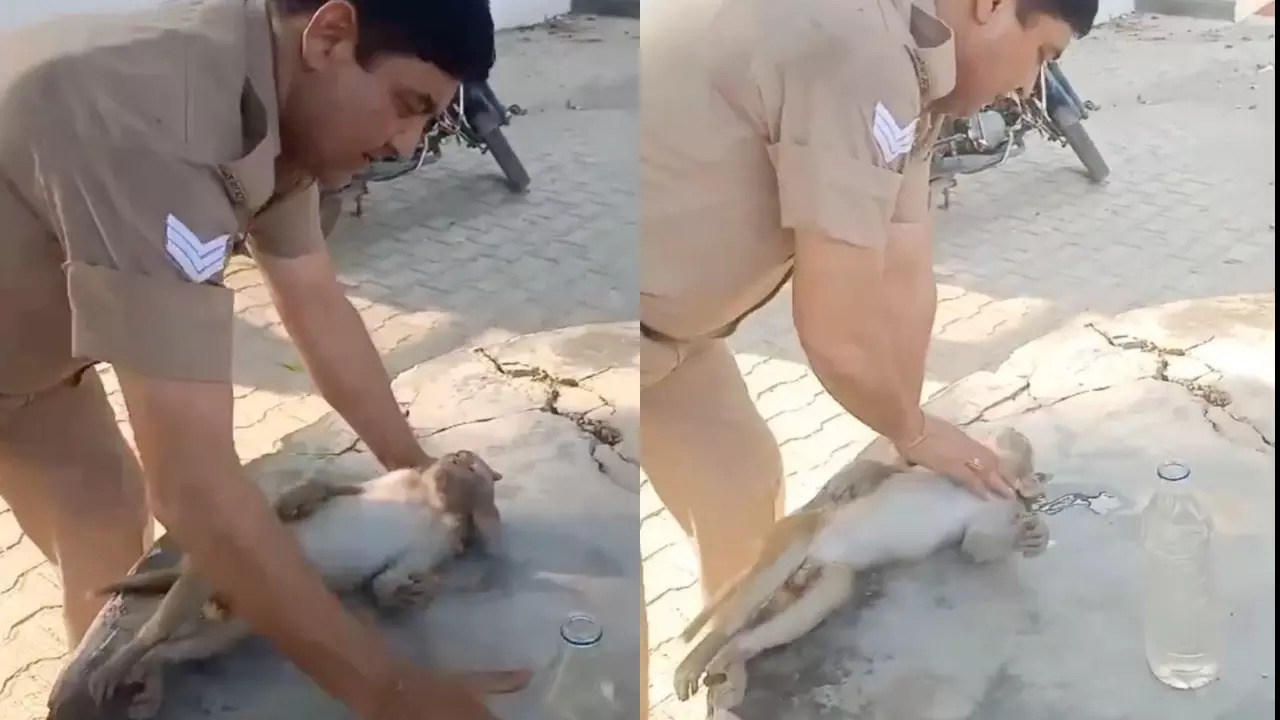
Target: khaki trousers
[(75, 488), (709, 456)]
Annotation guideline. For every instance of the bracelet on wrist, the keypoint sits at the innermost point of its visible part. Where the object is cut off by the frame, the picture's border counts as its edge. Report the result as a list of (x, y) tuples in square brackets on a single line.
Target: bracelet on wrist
[(917, 439)]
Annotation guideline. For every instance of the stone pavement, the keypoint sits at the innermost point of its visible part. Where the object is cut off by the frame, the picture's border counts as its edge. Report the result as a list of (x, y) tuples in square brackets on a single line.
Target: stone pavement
[(556, 414), (443, 259), (1187, 123), (1104, 401)]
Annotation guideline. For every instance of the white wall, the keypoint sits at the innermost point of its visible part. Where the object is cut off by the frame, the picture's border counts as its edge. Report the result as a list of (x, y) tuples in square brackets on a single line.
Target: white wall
[(1111, 9), (516, 13), (15, 13)]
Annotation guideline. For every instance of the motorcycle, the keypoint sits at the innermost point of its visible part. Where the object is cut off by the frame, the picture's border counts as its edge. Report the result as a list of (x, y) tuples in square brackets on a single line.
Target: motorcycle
[(996, 133), (475, 118)]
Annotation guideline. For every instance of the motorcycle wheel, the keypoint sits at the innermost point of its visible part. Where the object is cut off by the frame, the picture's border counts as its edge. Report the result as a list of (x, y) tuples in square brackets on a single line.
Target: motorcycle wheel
[(1078, 139), (504, 155), (330, 211)]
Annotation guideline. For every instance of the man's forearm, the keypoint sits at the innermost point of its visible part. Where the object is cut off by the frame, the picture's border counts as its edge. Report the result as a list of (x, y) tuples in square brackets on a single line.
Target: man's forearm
[(347, 370), (839, 297), (223, 522), (863, 375)]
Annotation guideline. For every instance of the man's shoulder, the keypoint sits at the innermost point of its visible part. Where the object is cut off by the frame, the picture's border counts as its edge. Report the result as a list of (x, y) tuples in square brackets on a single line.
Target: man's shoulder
[(163, 75)]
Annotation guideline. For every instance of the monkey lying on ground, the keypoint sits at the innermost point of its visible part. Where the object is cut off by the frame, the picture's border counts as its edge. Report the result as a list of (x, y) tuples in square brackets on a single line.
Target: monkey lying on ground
[(390, 532), (807, 565)]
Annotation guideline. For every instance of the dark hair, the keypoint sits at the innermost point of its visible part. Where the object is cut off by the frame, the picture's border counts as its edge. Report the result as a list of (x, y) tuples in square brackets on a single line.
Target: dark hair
[(454, 35), (1079, 14)]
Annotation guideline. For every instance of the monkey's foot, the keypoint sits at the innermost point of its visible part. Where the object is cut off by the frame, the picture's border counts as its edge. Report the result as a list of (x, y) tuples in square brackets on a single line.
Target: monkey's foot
[(726, 683), (408, 592), (688, 674), (119, 671), (146, 703)]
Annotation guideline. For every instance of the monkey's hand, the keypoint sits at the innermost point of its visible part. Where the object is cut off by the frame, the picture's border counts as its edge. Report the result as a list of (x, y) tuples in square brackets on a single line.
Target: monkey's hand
[(303, 500), (118, 671), (404, 591)]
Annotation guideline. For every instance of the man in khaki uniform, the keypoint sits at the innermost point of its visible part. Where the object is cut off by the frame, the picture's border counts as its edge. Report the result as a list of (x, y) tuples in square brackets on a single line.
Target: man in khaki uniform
[(790, 141), (134, 149)]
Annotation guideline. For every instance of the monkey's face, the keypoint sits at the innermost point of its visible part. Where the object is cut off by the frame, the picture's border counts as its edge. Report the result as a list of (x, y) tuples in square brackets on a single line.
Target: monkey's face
[(1017, 460), (464, 484)]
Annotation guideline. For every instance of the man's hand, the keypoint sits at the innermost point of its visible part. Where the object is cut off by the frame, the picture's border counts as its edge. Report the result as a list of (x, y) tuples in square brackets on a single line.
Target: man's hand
[(339, 354), (448, 697), (946, 450), (197, 489)]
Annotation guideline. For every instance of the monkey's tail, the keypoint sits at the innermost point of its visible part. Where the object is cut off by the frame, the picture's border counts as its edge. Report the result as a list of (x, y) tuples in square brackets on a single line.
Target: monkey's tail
[(783, 552), (151, 582)]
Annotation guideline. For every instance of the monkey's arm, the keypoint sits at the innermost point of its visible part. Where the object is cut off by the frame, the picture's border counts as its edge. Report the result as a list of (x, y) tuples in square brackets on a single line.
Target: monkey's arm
[(307, 497)]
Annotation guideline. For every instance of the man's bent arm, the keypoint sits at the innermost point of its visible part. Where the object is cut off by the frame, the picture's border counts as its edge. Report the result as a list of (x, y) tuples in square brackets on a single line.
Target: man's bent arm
[(223, 522), (339, 354), (838, 302), (912, 298)]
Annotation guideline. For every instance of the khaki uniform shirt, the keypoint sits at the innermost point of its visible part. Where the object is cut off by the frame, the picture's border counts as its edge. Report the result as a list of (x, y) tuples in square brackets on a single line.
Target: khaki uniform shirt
[(761, 118), (134, 149)]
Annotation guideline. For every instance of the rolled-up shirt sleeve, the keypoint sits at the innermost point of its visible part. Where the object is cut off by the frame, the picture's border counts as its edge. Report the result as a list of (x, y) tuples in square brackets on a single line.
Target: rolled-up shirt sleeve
[(289, 226), (846, 125), (147, 233)]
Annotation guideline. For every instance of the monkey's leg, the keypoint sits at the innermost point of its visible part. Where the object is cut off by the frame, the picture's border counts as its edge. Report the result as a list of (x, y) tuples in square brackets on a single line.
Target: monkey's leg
[(204, 639), (183, 602), (303, 500), (207, 638), (833, 588), (729, 612)]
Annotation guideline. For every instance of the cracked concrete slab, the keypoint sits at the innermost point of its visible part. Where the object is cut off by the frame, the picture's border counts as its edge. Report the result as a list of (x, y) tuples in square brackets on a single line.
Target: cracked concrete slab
[(536, 408), (1059, 637)]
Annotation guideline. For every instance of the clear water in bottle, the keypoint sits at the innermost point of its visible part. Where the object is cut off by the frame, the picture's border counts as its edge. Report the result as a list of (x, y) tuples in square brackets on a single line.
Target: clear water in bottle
[(580, 687), (1180, 616)]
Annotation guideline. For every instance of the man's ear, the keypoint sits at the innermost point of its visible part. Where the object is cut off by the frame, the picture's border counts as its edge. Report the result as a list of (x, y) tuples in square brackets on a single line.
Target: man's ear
[(984, 9), (330, 35)]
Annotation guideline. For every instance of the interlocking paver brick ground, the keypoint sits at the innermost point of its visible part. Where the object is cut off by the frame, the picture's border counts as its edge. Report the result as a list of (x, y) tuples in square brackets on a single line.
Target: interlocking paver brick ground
[(1187, 124), (442, 259)]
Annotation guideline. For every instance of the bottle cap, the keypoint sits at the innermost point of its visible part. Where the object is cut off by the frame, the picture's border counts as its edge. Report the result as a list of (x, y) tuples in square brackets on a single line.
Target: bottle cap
[(581, 630), (1173, 472)]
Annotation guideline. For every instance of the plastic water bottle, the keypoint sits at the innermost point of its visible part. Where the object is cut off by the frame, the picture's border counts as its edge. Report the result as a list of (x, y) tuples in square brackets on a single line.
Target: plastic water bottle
[(1181, 628), (580, 687)]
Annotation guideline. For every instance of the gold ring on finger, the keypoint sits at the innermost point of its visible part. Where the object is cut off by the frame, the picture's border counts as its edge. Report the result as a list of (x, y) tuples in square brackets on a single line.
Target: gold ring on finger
[(975, 465)]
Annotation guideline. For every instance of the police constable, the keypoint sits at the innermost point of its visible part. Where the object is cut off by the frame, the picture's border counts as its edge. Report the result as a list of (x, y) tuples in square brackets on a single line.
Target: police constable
[(790, 141), (134, 149)]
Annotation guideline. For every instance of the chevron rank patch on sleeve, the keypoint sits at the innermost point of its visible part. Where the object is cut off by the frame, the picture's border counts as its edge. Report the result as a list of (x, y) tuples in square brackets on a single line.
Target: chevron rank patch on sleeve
[(893, 140), (200, 260)]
